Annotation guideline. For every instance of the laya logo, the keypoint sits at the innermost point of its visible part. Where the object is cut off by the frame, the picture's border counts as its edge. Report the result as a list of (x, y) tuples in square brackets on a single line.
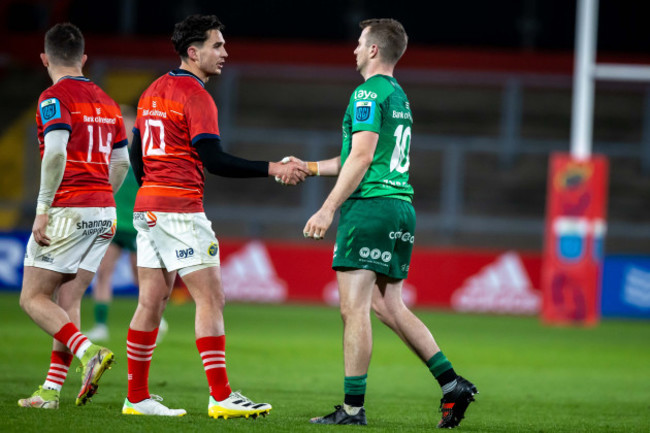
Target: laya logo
[(50, 109), (365, 94), (184, 254)]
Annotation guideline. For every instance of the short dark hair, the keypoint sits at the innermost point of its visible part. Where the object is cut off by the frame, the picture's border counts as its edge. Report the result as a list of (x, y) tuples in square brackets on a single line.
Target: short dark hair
[(389, 35), (64, 44), (193, 29)]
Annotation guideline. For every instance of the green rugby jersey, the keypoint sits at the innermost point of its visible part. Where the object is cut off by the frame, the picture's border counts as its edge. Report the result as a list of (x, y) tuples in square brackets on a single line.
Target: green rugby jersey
[(380, 105)]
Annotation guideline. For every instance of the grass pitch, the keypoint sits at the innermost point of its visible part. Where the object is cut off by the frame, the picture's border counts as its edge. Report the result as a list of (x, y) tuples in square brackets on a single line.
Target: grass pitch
[(531, 378)]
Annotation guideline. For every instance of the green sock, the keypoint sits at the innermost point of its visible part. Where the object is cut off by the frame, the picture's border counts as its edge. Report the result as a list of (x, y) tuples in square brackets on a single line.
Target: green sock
[(438, 364), (355, 390), (101, 313), (441, 369)]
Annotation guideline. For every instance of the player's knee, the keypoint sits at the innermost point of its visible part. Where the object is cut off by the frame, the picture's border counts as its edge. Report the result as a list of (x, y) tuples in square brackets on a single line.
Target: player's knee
[(24, 302)]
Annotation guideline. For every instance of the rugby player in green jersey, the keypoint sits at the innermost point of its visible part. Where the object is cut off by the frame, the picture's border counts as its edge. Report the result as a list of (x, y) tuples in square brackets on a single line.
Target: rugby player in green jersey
[(376, 229)]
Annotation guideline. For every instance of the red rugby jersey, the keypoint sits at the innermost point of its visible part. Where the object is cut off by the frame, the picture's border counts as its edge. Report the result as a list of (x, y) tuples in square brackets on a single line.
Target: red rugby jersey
[(174, 113), (95, 123)]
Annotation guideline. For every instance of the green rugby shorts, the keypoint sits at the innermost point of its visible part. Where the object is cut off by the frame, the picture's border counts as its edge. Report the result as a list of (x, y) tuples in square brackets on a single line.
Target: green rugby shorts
[(375, 234)]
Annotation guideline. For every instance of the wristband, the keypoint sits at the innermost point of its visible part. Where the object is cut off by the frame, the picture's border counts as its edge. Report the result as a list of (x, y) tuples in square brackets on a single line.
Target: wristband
[(314, 168)]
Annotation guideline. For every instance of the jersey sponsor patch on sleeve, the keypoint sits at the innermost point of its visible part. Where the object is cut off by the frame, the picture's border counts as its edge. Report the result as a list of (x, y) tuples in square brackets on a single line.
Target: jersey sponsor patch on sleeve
[(364, 111), (50, 109)]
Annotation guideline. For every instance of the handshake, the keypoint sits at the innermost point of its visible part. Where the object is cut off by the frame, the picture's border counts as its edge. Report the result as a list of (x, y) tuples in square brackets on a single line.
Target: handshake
[(291, 170)]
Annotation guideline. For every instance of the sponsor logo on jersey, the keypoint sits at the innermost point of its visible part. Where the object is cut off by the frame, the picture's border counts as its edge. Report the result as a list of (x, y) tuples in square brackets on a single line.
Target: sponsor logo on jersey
[(365, 94), (50, 109), (213, 249), (185, 253), (402, 115), (364, 111), (404, 237)]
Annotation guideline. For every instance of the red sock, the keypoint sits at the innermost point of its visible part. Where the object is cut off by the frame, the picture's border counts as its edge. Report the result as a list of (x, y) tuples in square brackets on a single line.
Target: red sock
[(73, 339), (213, 355), (59, 365), (139, 350)]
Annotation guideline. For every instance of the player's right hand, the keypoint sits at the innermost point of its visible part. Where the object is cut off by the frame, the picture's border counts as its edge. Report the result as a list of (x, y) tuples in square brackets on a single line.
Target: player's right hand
[(39, 228), (289, 173)]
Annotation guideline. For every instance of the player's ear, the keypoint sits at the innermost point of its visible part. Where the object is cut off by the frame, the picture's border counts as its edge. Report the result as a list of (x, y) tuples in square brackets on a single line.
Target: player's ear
[(83, 60), (45, 60), (374, 51), (192, 53)]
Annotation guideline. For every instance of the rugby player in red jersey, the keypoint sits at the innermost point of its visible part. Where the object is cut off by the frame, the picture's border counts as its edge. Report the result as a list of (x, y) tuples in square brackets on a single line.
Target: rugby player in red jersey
[(84, 160), (176, 135)]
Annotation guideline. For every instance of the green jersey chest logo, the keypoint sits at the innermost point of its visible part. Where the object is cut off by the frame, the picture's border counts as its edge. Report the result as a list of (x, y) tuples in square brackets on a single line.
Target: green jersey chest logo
[(364, 111)]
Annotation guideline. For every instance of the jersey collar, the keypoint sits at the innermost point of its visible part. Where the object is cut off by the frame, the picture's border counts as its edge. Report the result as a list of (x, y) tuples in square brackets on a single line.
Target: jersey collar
[(185, 73), (70, 77)]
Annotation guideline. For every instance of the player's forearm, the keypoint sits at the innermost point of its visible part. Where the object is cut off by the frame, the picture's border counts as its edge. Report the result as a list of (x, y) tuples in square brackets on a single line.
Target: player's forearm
[(350, 177), (218, 162), (329, 167), (135, 157), (118, 168), (52, 168), (364, 144)]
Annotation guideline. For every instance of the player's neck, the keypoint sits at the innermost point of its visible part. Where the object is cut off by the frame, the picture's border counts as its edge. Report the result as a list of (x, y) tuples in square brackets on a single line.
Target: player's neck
[(377, 68), (59, 72), (196, 71)]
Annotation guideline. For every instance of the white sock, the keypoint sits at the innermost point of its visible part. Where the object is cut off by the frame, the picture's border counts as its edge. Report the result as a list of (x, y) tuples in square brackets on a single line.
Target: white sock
[(81, 350), (51, 385), (351, 410)]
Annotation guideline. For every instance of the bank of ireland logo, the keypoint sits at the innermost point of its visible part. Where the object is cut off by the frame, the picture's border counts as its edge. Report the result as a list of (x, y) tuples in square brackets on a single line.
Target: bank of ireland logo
[(363, 111), (50, 109), (213, 249), (151, 219)]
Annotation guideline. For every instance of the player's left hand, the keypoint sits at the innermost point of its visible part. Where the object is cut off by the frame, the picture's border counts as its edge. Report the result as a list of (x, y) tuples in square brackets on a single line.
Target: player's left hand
[(318, 224), (39, 228)]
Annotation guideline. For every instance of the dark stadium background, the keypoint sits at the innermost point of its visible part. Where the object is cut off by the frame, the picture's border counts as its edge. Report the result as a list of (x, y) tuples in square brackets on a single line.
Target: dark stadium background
[(533, 25)]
